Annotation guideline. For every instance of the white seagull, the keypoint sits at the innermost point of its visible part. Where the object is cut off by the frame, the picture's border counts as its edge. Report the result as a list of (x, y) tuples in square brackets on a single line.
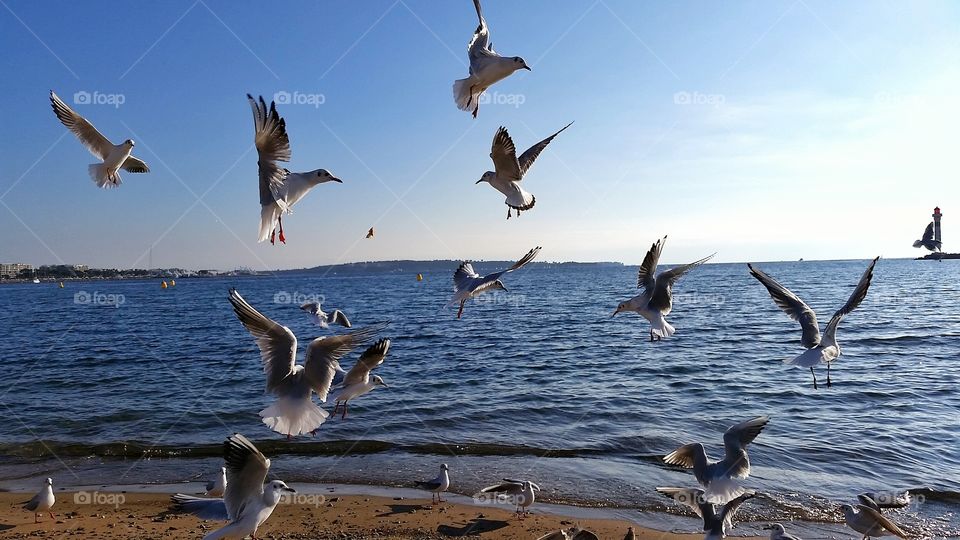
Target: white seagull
[(280, 189), (358, 380), (720, 478), (777, 532), (467, 283), (114, 157), (656, 300), (247, 501), (325, 319), (294, 412), (42, 501), (819, 351), (215, 487), (521, 493), (715, 524), (438, 485), (486, 67), (510, 169), (870, 522)]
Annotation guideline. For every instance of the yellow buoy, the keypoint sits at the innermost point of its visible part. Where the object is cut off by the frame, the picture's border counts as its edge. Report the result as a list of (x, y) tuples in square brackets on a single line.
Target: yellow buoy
[(163, 285), (419, 277), (173, 283), (61, 284)]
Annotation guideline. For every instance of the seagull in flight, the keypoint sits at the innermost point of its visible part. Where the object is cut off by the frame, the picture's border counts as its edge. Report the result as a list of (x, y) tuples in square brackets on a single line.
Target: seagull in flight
[(510, 170), (486, 67), (870, 522), (720, 478), (42, 501), (358, 380), (927, 241), (325, 319), (294, 412), (438, 485), (370, 233), (114, 157), (656, 300), (521, 492), (819, 351), (715, 523), (467, 283), (247, 501), (280, 189)]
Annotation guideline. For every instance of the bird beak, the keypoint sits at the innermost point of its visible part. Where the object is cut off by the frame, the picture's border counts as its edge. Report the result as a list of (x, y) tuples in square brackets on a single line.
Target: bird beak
[(504, 288), (290, 489), (527, 68), (767, 527), (615, 313), (335, 179), (478, 181)]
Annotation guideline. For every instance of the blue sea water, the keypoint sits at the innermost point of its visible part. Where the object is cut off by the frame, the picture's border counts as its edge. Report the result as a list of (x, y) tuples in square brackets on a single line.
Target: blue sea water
[(122, 382)]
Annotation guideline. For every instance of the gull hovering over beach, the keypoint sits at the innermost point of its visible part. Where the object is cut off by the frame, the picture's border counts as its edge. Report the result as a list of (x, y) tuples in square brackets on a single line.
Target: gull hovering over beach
[(215, 487), (870, 522), (114, 157), (715, 524), (42, 501), (468, 284), (928, 241), (819, 351), (280, 189), (247, 501), (509, 169), (486, 67), (522, 493), (325, 319), (370, 233), (294, 412), (358, 380), (777, 532), (438, 485), (656, 300), (720, 478)]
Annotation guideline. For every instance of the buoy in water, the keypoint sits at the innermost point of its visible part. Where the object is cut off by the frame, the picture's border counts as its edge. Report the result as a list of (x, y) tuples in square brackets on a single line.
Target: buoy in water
[(163, 285), (419, 277), (61, 284), (173, 283)]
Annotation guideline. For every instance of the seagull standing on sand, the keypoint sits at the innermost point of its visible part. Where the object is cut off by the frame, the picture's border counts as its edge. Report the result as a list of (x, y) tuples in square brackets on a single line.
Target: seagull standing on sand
[(280, 189), (870, 522), (114, 157), (486, 67), (819, 351), (468, 284), (522, 493), (715, 524), (358, 380), (247, 501), (294, 412), (438, 485), (42, 501), (510, 170), (777, 532), (656, 300), (721, 478), (927, 241), (325, 319), (215, 487)]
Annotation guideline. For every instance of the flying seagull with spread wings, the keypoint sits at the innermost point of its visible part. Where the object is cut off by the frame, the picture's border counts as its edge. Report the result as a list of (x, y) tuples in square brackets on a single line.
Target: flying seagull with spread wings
[(486, 67), (113, 156), (715, 523), (928, 240), (510, 170), (819, 351), (280, 189), (323, 318), (656, 300), (358, 380), (294, 412), (467, 283)]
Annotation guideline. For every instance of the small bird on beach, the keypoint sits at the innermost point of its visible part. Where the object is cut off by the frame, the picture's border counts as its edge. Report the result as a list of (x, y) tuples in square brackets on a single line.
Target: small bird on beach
[(280, 189), (467, 283), (879, 501), (927, 241), (114, 157), (777, 532), (438, 485), (721, 478), (247, 502), (509, 170), (715, 524), (522, 493), (486, 67), (294, 412), (42, 501), (358, 380), (656, 300), (215, 487), (819, 351), (630, 534), (325, 319), (370, 233), (870, 522)]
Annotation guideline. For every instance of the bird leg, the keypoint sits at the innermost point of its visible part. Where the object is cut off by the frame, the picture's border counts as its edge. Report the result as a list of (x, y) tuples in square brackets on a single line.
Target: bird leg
[(508, 212), (52, 516), (36, 517), (280, 221), (814, 378), (828, 375), (344, 410), (273, 235), (469, 101), (335, 407), (651, 335), (460, 311), (439, 500)]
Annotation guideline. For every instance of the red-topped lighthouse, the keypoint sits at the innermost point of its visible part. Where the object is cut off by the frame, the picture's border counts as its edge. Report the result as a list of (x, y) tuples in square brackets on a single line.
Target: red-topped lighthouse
[(936, 224)]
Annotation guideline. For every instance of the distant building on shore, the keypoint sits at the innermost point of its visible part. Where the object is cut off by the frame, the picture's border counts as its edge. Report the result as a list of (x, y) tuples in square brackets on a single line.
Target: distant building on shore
[(12, 270)]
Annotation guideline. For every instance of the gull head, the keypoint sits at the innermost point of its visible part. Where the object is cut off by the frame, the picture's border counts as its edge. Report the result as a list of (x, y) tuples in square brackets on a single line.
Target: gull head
[(279, 487), (499, 285), (323, 176), (444, 467), (518, 63), (129, 142), (847, 511), (487, 177), (378, 381), (776, 528), (49, 482), (621, 307)]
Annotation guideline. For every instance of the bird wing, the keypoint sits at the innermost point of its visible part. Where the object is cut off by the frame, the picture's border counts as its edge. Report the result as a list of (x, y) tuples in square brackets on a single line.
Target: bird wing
[(928, 234), (532, 254), (504, 156), (692, 498), (660, 300), (339, 318), (95, 142), (859, 293), (273, 145), (34, 502), (647, 275), (737, 437), (135, 165), (246, 471), (324, 354), (463, 277), (479, 45), (686, 456), (278, 345), (793, 306), (527, 158), (505, 488), (371, 358), (882, 520), (203, 508), (730, 509), (312, 308)]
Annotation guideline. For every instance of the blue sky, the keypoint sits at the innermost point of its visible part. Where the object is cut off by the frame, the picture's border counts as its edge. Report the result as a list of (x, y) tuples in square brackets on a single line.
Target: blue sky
[(760, 130)]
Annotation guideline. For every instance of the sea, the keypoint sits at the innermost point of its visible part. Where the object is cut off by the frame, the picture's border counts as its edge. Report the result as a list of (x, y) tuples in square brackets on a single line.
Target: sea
[(125, 383)]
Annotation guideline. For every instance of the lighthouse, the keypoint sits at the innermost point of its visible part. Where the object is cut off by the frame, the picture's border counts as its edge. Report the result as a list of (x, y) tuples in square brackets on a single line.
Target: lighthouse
[(936, 224)]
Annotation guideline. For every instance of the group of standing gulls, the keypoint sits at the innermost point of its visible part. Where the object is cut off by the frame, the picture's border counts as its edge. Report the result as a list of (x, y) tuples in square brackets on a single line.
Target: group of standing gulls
[(242, 495)]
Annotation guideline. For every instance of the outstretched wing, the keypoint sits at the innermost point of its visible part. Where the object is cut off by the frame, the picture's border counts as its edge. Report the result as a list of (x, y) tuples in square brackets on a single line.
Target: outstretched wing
[(647, 276), (278, 345), (859, 293), (480, 42), (504, 156), (95, 142), (730, 509), (527, 158), (504, 488), (464, 275), (273, 145), (882, 520), (735, 441), (692, 498), (371, 358), (246, 471), (928, 233), (793, 306), (660, 300), (135, 165), (490, 278), (339, 318), (324, 354), (202, 508)]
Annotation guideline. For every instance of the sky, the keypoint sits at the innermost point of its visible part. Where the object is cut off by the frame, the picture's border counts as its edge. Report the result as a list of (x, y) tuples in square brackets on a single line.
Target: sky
[(760, 130)]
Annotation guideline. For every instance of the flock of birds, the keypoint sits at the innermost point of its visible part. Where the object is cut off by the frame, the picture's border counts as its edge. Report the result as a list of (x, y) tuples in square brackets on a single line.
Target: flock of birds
[(241, 495)]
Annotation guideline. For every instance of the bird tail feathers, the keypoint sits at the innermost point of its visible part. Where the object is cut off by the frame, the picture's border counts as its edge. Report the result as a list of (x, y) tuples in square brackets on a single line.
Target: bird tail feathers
[(100, 174), (662, 328), (268, 217), (917, 243), (293, 416), (461, 94)]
